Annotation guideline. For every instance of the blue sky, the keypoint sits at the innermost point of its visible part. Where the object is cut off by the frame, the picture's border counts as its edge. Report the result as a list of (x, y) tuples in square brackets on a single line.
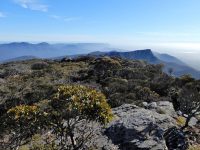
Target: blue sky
[(158, 24)]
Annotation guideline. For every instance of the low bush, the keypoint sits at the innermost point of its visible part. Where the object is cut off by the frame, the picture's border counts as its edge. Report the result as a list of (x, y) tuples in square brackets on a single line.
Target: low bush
[(39, 66)]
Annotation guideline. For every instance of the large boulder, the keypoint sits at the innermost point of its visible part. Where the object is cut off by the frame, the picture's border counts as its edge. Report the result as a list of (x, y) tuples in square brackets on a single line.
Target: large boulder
[(137, 128), (167, 107), (163, 107), (175, 139)]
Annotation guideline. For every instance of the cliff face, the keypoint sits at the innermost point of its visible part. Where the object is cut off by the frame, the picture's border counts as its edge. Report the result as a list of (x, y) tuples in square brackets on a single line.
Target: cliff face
[(138, 128), (179, 68), (146, 55)]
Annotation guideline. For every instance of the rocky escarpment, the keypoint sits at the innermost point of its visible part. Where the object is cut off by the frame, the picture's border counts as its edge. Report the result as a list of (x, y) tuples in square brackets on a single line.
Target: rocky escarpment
[(137, 128), (153, 127)]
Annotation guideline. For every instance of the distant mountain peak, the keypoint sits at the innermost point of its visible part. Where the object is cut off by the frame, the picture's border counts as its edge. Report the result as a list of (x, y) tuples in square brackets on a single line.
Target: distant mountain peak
[(18, 43), (15, 51), (145, 54), (43, 44), (144, 51), (148, 55)]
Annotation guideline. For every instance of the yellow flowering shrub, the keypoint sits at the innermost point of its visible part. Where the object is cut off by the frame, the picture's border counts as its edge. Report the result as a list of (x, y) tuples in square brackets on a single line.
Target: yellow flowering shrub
[(180, 121), (23, 112), (82, 101), (23, 122), (63, 113)]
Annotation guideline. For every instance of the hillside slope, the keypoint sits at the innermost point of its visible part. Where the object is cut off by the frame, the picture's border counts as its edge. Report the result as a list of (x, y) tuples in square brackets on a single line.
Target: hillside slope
[(179, 68), (45, 50), (24, 51), (125, 84)]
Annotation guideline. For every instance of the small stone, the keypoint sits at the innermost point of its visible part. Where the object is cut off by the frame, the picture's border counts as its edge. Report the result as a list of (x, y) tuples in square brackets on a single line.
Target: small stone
[(179, 113), (167, 107), (152, 105), (193, 121), (2, 81), (144, 104), (197, 117)]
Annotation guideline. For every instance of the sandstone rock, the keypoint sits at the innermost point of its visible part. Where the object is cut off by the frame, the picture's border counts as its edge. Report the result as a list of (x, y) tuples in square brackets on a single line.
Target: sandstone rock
[(193, 121), (102, 142), (175, 139), (152, 105), (2, 81), (167, 107), (162, 107), (145, 104), (98, 140), (197, 117), (137, 128)]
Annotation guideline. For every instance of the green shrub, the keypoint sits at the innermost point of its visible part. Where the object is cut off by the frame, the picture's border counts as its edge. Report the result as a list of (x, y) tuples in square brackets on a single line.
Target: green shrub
[(82, 101), (39, 66)]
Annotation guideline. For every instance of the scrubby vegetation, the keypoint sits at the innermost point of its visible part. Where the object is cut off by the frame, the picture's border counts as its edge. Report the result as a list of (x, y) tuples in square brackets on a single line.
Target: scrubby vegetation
[(50, 94), (66, 117)]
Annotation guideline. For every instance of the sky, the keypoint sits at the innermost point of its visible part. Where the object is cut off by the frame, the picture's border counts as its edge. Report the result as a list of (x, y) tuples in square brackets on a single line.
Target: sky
[(163, 25)]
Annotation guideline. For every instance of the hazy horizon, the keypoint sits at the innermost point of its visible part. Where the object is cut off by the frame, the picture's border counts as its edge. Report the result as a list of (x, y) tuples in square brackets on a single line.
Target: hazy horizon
[(163, 26), (190, 58)]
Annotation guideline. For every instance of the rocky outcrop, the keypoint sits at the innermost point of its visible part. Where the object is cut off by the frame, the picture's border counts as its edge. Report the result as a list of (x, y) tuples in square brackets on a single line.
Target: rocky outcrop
[(175, 139), (162, 107), (137, 128), (167, 107)]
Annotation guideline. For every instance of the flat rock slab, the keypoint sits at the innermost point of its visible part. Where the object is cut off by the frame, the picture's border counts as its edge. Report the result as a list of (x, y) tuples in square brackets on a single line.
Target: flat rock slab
[(138, 128)]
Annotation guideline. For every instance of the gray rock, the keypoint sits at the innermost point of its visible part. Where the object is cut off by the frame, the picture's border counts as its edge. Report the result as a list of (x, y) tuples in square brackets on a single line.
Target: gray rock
[(137, 128), (2, 81), (179, 113), (193, 121), (176, 139), (167, 107), (152, 105), (144, 104), (99, 141), (197, 117)]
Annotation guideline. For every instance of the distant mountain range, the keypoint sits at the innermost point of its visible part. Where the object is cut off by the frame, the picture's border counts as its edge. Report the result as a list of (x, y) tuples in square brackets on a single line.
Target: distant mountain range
[(179, 67), (137, 54), (24, 51), (46, 50)]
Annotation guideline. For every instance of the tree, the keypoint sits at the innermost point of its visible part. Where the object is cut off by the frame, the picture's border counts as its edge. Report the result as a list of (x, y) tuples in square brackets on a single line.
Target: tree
[(145, 94), (186, 79), (189, 100), (22, 123), (170, 71), (68, 116), (73, 108)]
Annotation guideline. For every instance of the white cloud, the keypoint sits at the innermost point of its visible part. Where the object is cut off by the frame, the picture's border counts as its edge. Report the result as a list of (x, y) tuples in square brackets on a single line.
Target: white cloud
[(66, 19), (32, 4), (2, 15), (55, 17)]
